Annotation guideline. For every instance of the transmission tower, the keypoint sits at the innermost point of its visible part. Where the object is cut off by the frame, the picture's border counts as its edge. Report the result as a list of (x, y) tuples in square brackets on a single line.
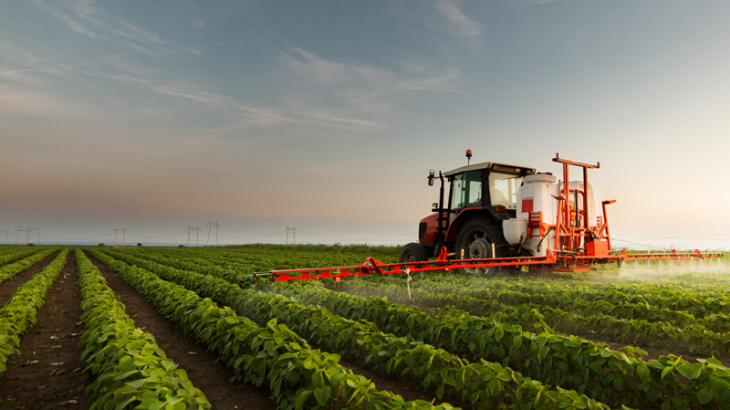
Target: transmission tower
[(197, 235), (27, 235), (210, 225), (17, 237), (123, 231), (294, 235)]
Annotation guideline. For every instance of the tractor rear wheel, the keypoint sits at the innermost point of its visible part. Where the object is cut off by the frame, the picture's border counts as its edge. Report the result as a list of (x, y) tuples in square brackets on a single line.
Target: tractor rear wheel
[(413, 252), (475, 241)]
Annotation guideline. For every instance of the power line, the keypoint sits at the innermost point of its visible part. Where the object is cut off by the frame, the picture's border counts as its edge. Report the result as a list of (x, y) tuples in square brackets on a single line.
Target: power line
[(27, 235)]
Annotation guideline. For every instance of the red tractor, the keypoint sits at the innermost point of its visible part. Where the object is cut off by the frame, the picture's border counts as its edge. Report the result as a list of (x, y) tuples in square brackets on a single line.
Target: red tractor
[(500, 216), (480, 198)]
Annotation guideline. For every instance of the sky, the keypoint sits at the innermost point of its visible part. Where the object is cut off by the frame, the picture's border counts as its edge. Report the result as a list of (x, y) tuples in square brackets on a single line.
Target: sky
[(326, 116)]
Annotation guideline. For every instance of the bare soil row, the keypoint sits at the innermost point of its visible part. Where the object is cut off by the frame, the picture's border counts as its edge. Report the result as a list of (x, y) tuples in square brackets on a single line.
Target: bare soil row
[(49, 372)]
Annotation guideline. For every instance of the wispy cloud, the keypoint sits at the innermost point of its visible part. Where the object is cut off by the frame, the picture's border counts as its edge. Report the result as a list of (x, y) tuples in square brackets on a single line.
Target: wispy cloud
[(459, 24), (258, 115), (67, 19), (355, 95), (136, 33), (82, 16), (24, 102)]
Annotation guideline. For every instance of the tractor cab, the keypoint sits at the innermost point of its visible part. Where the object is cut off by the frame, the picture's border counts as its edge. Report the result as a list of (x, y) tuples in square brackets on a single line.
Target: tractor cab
[(487, 184), (480, 197)]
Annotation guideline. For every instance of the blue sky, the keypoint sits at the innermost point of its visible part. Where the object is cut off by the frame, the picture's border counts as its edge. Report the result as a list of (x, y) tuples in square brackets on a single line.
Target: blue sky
[(156, 116)]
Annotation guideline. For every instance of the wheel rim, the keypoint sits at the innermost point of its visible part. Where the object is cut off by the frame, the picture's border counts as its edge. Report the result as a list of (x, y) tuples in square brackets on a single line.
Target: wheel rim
[(477, 246), (410, 257)]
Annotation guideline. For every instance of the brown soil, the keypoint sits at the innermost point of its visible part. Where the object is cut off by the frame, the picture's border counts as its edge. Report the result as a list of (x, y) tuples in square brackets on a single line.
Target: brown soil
[(9, 287), (202, 367), (49, 371), (408, 389)]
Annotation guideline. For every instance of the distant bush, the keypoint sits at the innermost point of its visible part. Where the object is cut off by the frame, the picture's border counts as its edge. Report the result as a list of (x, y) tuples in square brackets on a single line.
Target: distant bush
[(101, 244), (139, 244)]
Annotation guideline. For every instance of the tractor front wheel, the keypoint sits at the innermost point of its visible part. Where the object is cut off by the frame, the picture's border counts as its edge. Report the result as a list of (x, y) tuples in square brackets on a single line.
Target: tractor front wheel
[(413, 252), (475, 241)]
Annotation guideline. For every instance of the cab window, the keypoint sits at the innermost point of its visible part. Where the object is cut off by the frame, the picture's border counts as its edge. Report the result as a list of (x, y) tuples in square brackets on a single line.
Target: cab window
[(503, 189), (466, 190)]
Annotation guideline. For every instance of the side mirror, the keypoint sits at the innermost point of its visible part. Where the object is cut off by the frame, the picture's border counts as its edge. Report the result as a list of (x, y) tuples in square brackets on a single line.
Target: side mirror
[(431, 174)]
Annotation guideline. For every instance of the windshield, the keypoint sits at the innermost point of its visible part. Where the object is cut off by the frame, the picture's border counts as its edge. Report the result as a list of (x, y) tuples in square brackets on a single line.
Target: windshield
[(466, 190), (503, 189)]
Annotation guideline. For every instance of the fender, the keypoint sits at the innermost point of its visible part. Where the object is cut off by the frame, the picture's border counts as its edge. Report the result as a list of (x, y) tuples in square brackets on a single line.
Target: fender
[(468, 213)]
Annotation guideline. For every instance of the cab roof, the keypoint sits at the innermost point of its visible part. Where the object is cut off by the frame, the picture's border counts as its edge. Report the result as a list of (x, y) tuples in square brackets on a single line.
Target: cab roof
[(493, 166)]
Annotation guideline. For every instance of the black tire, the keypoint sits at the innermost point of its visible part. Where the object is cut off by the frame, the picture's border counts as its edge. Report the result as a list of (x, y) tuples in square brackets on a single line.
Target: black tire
[(413, 252), (475, 239)]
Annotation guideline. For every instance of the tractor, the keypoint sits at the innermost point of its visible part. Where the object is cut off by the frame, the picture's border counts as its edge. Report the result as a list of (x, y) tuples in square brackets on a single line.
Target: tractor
[(491, 211)]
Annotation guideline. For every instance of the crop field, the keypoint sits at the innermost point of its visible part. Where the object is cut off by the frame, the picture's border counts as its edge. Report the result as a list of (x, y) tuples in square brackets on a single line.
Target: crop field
[(186, 328)]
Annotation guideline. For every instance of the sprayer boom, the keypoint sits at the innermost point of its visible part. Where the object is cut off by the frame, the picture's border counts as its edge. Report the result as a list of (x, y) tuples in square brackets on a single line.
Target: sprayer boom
[(447, 262)]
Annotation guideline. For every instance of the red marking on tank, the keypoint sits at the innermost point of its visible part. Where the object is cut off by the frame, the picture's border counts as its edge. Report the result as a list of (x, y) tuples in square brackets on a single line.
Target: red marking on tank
[(527, 205)]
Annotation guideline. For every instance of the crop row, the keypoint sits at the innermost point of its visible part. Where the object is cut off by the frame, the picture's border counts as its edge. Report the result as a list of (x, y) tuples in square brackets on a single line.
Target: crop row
[(695, 299), (708, 332), (693, 339), (130, 368), (488, 384), (20, 312), (13, 255), (254, 260), (570, 362), (669, 306), (605, 375), (579, 306), (8, 271), (576, 362), (298, 376)]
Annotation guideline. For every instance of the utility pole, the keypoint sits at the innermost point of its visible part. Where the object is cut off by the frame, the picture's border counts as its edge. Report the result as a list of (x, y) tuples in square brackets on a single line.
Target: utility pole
[(210, 225), (123, 232), (27, 235), (294, 235), (17, 236)]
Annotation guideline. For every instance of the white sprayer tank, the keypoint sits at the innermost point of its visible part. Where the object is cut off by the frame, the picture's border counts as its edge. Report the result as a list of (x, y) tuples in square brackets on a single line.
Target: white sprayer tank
[(537, 195)]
